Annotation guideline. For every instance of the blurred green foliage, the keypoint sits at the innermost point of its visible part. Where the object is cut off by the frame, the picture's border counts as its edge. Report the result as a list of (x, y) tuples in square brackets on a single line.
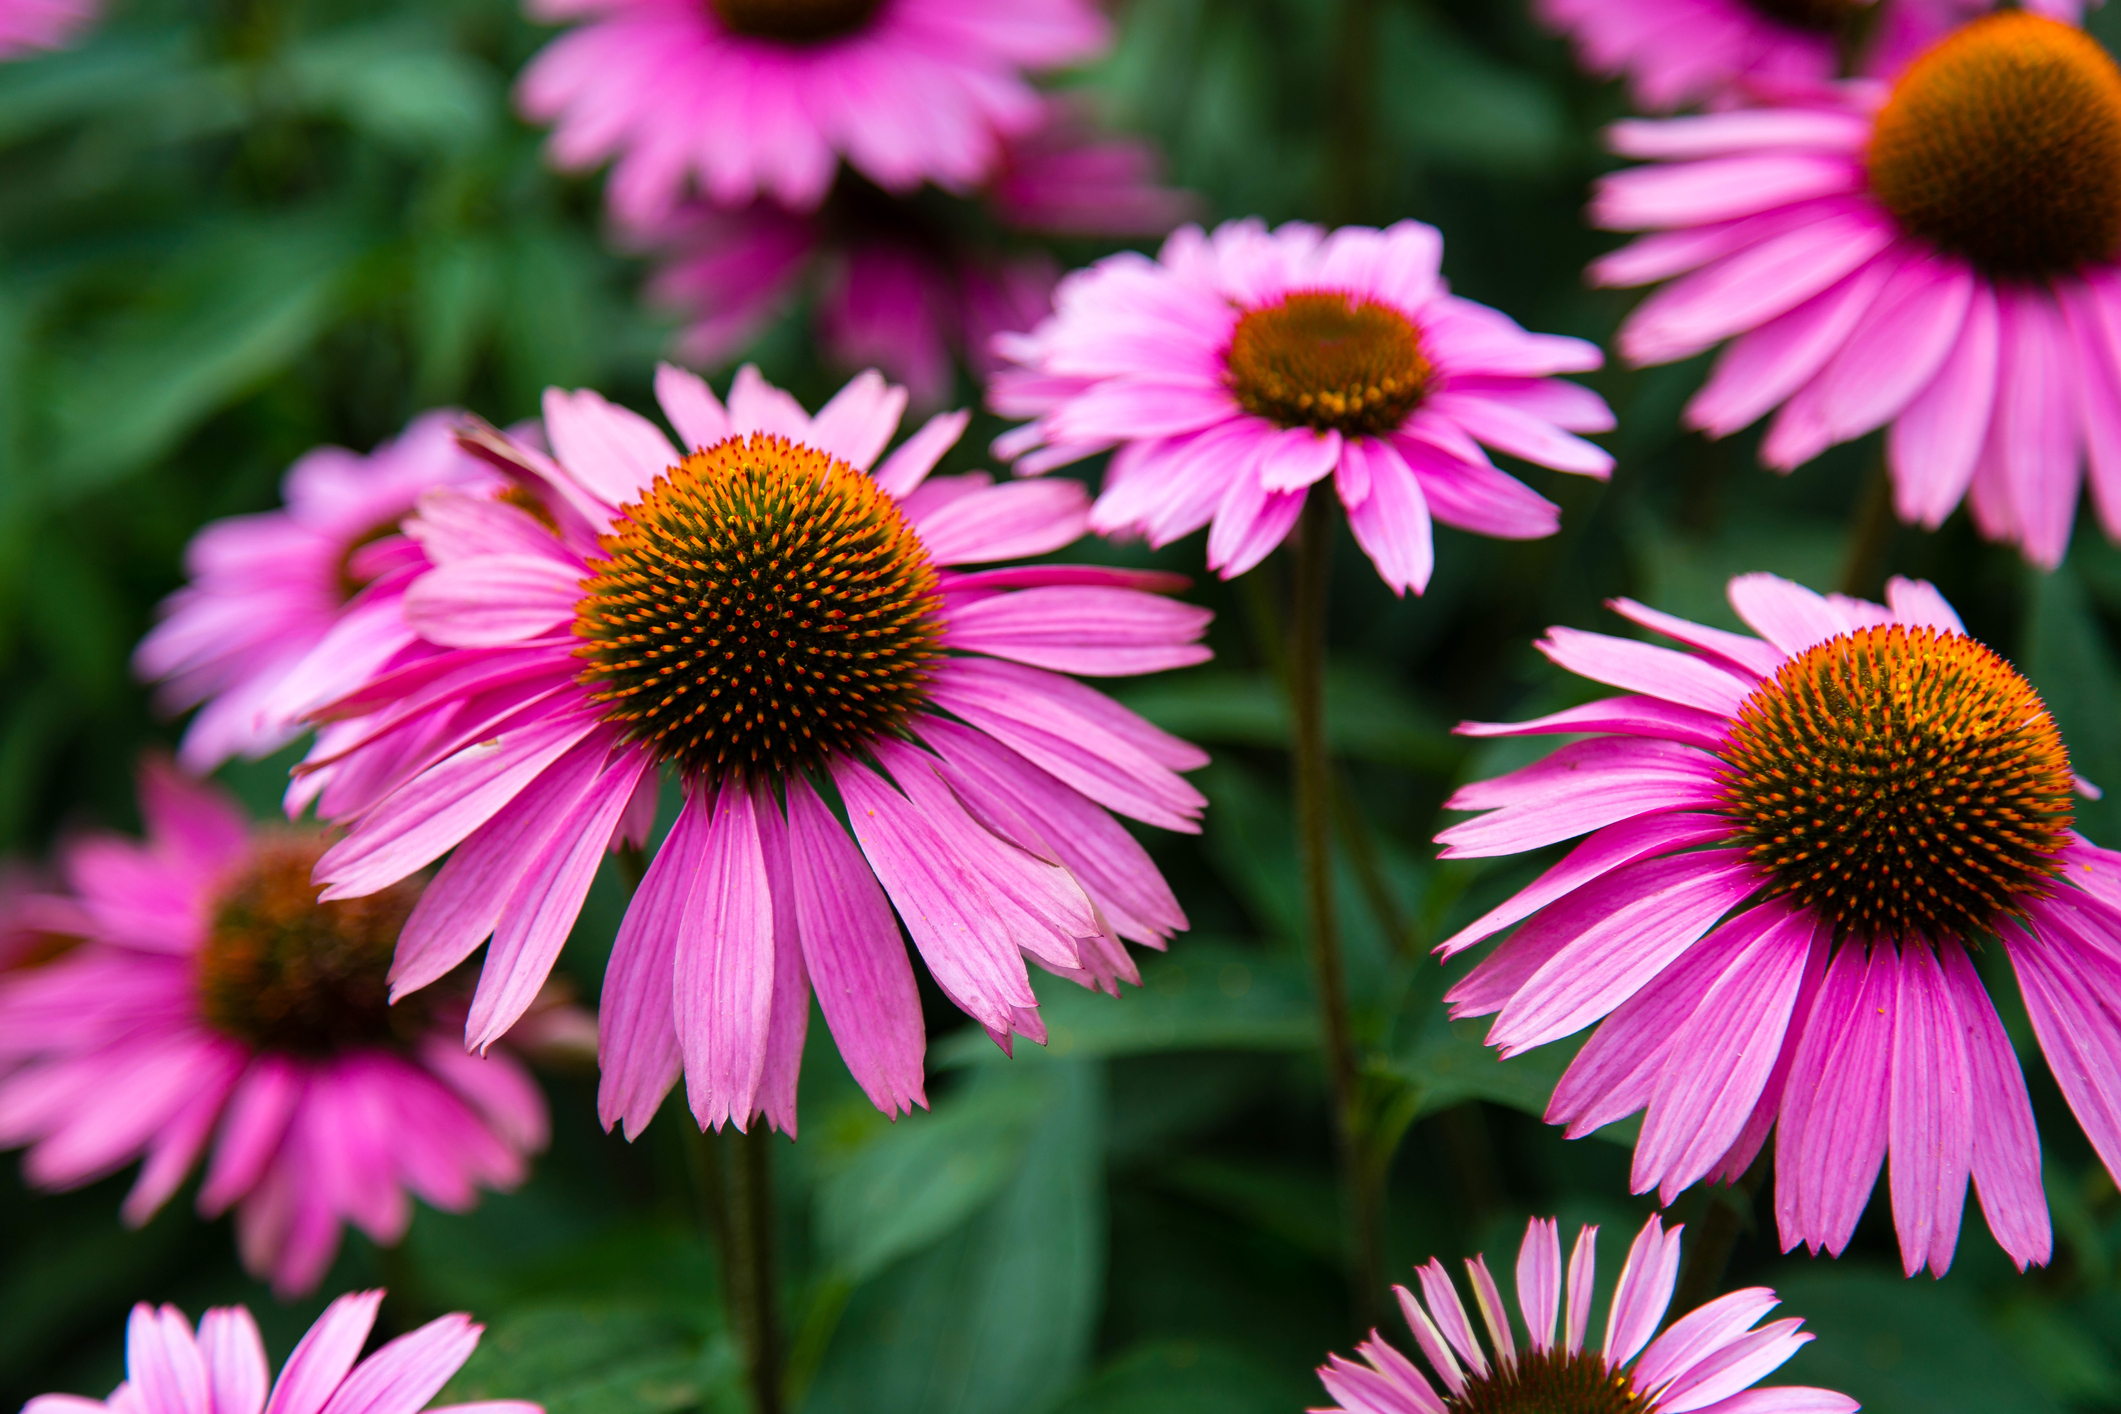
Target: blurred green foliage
[(234, 229)]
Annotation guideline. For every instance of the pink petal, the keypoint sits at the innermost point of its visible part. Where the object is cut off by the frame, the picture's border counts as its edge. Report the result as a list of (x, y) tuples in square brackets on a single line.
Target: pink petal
[(1646, 668), (691, 407), (915, 457), (638, 1055), (1935, 443), (490, 600), (1583, 1271), (1539, 1281), (1012, 522), (408, 1372), (1642, 1293), (1391, 520), (1832, 1134), (725, 967), (2006, 1159), (1930, 1113), (321, 1361), (163, 1367), (235, 1360), (612, 451), (1090, 631)]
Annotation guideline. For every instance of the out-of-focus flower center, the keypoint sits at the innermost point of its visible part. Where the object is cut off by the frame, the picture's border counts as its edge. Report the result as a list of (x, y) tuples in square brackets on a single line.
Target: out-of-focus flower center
[(1325, 359), (2002, 144), (352, 577), (762, 608), (795, 21), (1549, 1382), (1902, 781), (283, 972), (1822, 16)]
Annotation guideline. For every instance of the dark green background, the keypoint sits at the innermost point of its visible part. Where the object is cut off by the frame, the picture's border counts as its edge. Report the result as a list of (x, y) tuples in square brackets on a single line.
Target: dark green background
[(230, 231)]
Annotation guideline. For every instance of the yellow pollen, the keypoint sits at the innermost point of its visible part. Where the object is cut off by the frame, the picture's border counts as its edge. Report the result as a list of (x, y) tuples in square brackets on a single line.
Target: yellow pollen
[(2002, 144), (1325, 359), (795, 21), (283, 972), (763, 608), (1902, 781)]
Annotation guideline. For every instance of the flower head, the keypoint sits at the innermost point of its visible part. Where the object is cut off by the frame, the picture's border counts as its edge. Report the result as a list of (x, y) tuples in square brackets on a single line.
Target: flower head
[(1240, 368), (32, 26), (797, 640), (1797, 846), (1943, 256), (1706, 1359), (216, 1008), (298, 605), (762, 98), (910, 284), (1678, 52), (169, 1369)]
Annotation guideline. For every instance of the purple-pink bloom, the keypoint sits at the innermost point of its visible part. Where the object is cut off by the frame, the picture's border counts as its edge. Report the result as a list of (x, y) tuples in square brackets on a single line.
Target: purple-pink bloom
[(737, 99), (293, 607), (222, 1368), (801, 641), (1706, 1362), (32, 26), (896, 284), (216, 1010), (1795, 847), (1674, 53), (1938, 258), (1239, 368)]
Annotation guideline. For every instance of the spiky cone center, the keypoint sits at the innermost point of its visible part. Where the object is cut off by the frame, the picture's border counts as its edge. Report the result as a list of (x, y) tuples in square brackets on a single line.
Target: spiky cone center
[(795, 21), (282, 972), (2002, 144), (1327, 360), (1549, 1382), (1902, 782), (762, 609), (1814, 16)]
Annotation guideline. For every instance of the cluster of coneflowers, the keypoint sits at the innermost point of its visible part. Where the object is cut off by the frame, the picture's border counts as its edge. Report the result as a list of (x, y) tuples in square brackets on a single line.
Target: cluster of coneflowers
[(857, 686)]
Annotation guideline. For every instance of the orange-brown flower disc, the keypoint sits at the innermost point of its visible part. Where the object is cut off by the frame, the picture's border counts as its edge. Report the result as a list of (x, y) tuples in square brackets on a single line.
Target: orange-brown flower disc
[(1324, 359), (284, 972), (1549, 1382), (2003, 144), (1822, 16), (761, 609), (1902, 781), (795, 21)]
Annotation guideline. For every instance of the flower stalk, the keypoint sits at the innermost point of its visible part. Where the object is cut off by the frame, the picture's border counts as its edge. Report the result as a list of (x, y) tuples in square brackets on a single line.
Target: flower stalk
[(1362, 1178)]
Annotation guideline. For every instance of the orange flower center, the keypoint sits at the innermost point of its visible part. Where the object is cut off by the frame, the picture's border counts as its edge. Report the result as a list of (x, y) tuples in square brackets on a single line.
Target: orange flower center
[(2002, 144), (795, 21), (762, 608), (1325, 359), (283, 972), (1550, 1382), (1901, 781)]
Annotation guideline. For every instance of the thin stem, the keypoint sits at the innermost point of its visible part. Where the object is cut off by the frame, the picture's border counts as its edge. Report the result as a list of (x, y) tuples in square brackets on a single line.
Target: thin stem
[(1362, 1181), (751, 1279), (1871, 538), (1702, 1278)]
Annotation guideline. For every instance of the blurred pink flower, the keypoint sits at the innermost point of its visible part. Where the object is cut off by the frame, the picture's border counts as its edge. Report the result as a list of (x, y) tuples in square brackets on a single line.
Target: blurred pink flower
[(1942, 259), (581, 664), (1794, 844), (1674, 53), (1708, 1360), (169, 1370), (1241, 367), (759, 98), (215, 1005), (295, 606), (897, 284), (30, 26)]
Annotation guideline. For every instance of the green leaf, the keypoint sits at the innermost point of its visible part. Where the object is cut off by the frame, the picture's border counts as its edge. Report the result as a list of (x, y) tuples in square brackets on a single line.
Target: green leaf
[(399, 85), (1182, 1376), (1448, 102), (1369, 717), (595, 1359), (998, 1316), (1202, 996), (2067, 658), (1902, 1347), (235, 305)]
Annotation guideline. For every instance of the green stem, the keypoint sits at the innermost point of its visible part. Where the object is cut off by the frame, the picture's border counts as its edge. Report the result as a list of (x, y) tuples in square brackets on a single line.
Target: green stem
[(1871, 537), (1701, 1280), (732, 1176), (1362, 1181)]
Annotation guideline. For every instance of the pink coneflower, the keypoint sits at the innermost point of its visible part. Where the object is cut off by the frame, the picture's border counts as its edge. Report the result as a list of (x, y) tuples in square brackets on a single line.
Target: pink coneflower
[(792, 637), (1797, 845), (297, 605), (910, 285), (1708, 1359), (1941, 257), (1239, 368), (217, 1006), (169, 1370), (762, 98), (1678, 52), (31, 26)]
